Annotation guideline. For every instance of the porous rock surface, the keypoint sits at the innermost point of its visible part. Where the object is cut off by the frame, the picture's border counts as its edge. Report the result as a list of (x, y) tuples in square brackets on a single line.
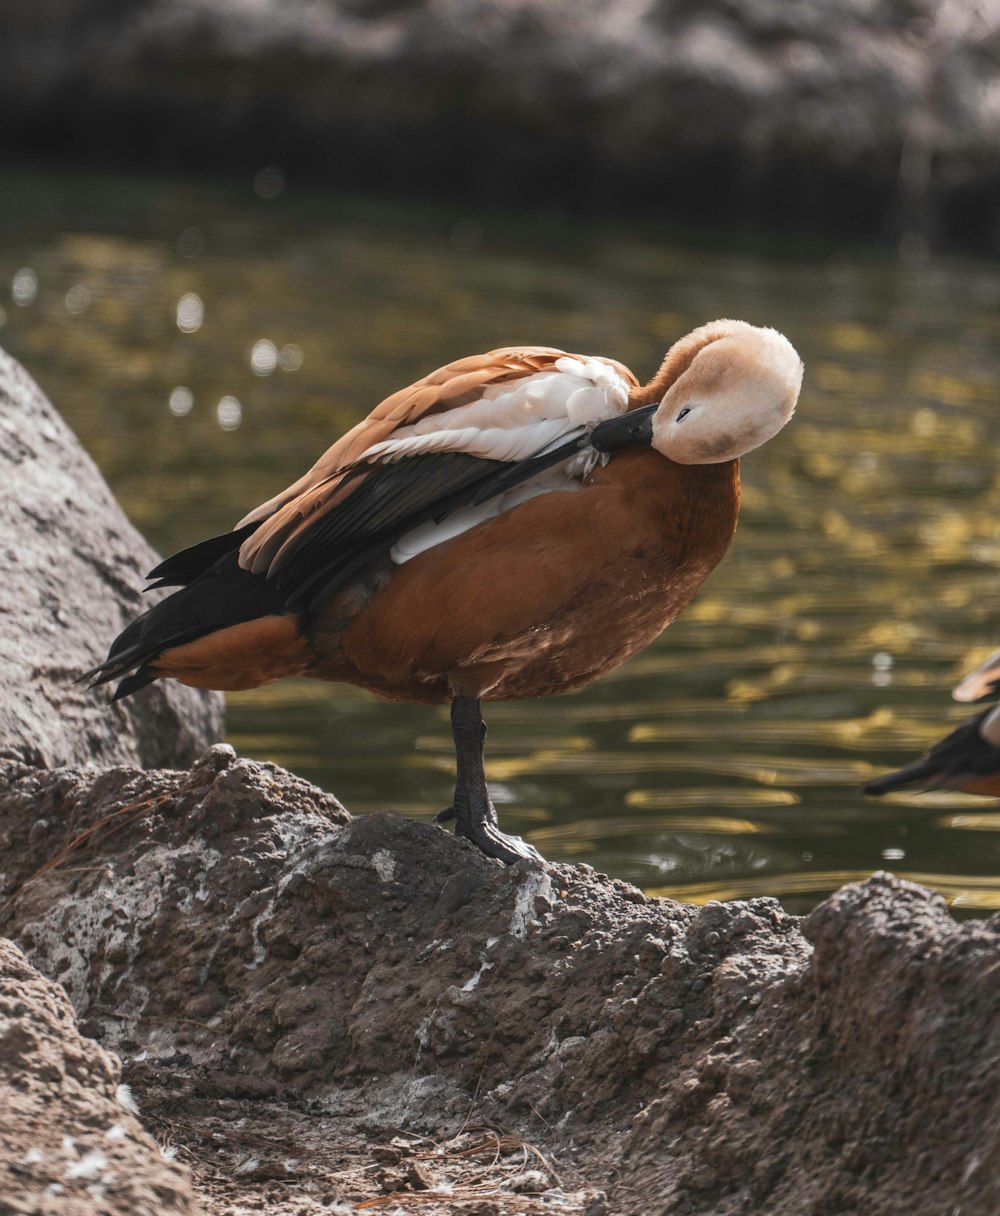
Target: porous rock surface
[(267, 962), (71, 572), (70, 1143), (808, 113)]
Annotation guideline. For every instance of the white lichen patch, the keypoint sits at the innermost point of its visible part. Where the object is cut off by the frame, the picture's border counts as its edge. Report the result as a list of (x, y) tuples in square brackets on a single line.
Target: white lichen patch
[(438, 944), (407, 1097), (423, 1035), (209, 860), (384, 865), (536, 885), (304, 852), (259, 949), (473, 982), (110, 922)]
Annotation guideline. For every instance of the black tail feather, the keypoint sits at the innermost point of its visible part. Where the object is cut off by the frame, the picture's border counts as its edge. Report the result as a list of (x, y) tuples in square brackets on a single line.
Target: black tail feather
[(925, 769), (133, 683), (221, 596), (184, 567), (125, 652)]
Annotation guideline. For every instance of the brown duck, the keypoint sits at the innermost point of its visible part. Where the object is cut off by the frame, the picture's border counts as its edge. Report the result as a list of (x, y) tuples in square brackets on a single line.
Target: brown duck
[(514, 524)]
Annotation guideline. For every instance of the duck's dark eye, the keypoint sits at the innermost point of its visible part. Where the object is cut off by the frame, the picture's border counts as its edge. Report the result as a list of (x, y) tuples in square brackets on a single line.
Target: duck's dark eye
[(684, 413)]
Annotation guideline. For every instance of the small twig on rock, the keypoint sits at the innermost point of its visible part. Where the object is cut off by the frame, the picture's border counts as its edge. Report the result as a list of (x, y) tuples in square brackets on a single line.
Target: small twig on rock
[(116, 819), (472, 1104)]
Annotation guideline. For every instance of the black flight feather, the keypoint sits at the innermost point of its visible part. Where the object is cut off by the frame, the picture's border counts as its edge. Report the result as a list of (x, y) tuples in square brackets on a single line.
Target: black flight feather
[(185, 566)]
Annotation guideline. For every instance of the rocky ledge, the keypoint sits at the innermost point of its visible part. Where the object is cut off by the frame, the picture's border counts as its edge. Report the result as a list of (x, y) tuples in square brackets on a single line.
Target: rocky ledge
[(318, 1010)]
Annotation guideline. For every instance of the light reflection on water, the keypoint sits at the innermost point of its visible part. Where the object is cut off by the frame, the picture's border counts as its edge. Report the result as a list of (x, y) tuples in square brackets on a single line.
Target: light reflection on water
[(207, 343)]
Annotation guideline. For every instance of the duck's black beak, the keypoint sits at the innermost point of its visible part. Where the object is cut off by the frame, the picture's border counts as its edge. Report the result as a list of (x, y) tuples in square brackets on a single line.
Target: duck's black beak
[(629, 430)]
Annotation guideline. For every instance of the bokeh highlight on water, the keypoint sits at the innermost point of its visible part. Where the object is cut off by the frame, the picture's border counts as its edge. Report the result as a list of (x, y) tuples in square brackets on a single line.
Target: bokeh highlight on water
[(206, 342)]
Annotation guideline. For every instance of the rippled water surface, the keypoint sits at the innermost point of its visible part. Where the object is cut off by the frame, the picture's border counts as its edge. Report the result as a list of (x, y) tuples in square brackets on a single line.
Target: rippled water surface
[(207, 343)]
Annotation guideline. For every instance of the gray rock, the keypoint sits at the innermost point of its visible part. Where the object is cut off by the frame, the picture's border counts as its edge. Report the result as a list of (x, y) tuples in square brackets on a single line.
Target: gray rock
[(70, 1143), (262, 956), (71, 571)]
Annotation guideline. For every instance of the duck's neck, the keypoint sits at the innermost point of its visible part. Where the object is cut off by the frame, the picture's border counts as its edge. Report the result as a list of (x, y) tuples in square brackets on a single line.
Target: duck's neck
[(696, 505), (676, 362)]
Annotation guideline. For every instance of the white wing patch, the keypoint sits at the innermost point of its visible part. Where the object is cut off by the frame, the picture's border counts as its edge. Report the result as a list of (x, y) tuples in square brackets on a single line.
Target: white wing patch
[(510, 422), (427, 535)]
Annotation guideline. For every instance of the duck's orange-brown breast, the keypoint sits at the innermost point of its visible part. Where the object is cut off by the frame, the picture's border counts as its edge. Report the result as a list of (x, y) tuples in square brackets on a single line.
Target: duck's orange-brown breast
[(545, 597)]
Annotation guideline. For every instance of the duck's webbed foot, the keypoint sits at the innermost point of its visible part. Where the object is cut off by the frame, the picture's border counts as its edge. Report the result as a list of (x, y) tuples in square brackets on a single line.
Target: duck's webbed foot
[(473, 810), (480, 826)]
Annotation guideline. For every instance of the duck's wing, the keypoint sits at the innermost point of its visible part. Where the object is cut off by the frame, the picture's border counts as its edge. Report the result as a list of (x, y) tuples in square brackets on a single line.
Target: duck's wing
[(463, 382), (466, 433), (967, 759), (981, 682)]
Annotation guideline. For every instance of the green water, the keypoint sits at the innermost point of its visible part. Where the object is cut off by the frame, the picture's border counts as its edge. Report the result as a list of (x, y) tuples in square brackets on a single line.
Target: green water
[(724, 761)]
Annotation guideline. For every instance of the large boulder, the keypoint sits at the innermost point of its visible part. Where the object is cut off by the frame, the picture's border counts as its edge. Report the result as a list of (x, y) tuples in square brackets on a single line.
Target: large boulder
[(262, 957), (70, 1142), (71, 572)]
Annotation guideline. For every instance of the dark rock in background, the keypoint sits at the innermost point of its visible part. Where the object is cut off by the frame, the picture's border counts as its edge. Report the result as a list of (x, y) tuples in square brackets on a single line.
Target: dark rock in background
[(71, 572), (258, 952), (70, 1143), (877, 116)]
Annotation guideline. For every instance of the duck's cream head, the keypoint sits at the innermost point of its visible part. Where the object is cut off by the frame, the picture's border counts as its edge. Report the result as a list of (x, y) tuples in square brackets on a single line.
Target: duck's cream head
[(723, 390)]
